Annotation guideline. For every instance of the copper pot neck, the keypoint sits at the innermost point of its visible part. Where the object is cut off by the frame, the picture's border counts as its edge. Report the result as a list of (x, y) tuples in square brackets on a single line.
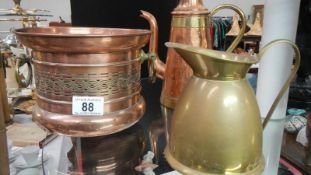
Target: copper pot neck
[(190, 7)]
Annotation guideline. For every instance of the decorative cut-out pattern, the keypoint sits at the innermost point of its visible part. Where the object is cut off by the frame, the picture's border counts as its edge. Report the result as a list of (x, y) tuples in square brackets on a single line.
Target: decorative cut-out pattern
[(99, 84)]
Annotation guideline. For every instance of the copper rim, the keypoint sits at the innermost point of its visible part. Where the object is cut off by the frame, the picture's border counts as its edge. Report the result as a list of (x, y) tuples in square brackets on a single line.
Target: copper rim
[(82, 39), (83, 32)]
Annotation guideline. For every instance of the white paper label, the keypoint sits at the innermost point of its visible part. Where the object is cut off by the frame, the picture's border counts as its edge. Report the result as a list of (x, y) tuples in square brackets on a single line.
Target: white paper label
[(84, 105)]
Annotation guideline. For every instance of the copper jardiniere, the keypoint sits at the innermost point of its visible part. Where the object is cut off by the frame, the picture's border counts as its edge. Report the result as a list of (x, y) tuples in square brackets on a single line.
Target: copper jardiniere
[(76, 61)]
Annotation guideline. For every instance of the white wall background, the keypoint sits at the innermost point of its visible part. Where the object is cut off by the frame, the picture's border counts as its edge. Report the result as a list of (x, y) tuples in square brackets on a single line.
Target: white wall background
[(57, 8)]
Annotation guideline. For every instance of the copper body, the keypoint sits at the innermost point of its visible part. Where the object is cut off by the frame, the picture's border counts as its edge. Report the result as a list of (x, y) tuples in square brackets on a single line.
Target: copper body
[(177, 72), (71, 61), (190, 25)]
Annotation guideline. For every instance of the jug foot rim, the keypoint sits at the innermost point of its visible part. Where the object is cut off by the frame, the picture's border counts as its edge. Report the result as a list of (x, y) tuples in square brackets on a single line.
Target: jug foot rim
[(175, 164)]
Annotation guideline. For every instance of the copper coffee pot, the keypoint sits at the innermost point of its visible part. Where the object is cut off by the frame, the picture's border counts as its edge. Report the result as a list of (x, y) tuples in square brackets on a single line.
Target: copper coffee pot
[(190, 24), (87, 62)]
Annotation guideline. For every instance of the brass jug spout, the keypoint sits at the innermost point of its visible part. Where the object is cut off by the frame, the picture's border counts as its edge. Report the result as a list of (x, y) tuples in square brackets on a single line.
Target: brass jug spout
[(207, 63)]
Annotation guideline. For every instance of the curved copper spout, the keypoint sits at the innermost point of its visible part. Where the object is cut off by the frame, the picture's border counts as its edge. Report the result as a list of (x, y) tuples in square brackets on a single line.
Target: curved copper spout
[(153, 46)]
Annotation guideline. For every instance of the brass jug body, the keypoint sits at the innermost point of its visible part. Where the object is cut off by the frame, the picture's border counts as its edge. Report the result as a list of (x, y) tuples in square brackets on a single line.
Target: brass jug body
[(216, 126), (73, 61), (190, 25), (232, 138)]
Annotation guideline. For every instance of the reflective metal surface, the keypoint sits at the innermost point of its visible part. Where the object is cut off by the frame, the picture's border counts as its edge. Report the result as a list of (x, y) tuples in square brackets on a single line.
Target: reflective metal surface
[(190, 25), (17, 60), (82, 39), (76, 61), (116, 154), (119, 153), (18, 10), (216, 126), (23, 80)]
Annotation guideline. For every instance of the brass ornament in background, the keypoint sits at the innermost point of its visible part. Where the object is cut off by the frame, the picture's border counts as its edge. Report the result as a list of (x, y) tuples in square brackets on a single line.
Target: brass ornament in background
[(216, 126), (77, 61), (235, 27), (19, 11), (28, 17), (18, 58), (256, 29), (190, 25), (26, 21), (23, 82)]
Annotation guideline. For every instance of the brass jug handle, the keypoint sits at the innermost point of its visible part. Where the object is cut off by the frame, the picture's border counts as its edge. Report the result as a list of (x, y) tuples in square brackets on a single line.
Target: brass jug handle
[(153, 44), (243, 18), (23, 83), (289, 79)]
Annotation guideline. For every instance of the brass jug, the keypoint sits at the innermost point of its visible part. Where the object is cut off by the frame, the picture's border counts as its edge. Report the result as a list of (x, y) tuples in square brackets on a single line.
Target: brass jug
[(216, 126), (190, 24), (87, 62)]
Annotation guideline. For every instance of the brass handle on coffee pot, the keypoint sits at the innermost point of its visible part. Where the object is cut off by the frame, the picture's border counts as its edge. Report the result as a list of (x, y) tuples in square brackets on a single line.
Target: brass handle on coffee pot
[(243, 18), (20, 62), (153, 45), (289, 79)]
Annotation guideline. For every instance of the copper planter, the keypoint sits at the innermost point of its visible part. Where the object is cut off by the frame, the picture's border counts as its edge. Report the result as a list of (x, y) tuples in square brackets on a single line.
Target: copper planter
[(102, 62)]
